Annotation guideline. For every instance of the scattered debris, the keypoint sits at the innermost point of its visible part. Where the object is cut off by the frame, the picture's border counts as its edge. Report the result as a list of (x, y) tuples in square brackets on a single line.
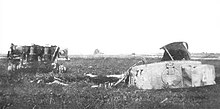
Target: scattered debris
[(57, 82), (164, 100), (105, 81)]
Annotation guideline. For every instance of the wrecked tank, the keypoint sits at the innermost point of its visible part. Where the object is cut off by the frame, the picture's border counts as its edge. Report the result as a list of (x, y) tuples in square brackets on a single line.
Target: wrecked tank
[(36, 58), (175, 70)]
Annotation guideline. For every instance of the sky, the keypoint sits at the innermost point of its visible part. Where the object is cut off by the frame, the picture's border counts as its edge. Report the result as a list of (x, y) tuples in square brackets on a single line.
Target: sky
[(112, 26)]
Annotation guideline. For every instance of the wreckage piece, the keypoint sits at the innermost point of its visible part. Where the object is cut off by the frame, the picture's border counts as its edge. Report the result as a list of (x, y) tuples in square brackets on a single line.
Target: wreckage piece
[(175, 70), (103, 80), (49, 80), (56, 80), (40, 58), (63, 54), (176, 51)]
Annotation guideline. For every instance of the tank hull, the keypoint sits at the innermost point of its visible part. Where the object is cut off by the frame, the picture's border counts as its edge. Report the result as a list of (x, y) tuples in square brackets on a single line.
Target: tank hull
[(172, 74)]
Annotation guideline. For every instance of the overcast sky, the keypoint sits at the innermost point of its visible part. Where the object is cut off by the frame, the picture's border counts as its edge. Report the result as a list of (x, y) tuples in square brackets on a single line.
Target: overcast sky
[(112, 26)]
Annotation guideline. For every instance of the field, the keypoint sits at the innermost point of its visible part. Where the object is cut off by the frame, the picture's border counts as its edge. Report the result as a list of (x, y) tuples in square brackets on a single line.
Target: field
[(18, 92)]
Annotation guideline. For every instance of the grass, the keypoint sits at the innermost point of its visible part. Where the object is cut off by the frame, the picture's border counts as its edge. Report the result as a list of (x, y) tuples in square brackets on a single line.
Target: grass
[(17, 92)]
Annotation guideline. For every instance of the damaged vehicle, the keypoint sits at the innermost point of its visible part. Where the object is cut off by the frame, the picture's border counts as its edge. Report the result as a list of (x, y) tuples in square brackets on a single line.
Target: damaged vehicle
[(175, 70), (36, 58)]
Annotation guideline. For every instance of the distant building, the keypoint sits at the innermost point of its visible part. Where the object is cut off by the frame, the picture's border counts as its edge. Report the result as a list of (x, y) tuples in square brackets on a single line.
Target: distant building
[(133, 54), (97, 52)]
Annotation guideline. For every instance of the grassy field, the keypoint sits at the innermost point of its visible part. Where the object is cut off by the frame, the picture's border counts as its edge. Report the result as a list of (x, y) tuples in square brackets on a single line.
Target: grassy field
[(17, 92)]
